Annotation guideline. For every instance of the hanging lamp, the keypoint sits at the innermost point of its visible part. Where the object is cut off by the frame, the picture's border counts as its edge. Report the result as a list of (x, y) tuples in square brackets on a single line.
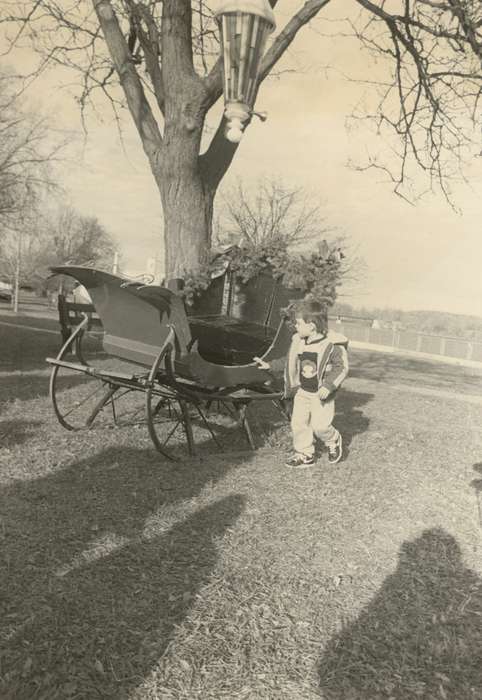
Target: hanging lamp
[(244, 27)]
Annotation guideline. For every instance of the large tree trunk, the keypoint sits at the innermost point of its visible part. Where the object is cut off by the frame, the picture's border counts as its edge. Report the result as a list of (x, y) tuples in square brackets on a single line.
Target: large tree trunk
[(187, 191), (187, 203)]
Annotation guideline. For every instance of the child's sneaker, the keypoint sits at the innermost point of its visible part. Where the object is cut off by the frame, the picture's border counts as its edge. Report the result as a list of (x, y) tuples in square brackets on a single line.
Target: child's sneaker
[(300, 462), (335, 452)]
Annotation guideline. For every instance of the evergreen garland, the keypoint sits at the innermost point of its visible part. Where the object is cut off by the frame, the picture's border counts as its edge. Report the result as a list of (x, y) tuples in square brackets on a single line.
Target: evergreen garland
[(317, 274)]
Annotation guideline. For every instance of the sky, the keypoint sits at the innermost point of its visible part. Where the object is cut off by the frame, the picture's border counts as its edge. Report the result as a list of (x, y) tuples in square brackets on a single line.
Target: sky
[(415, 257)]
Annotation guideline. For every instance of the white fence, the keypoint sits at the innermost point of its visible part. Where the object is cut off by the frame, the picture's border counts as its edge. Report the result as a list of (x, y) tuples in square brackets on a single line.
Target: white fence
[(412, 341)]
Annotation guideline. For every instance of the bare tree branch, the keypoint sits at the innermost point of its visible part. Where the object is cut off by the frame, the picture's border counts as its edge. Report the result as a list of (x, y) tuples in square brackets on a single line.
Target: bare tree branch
[(435, 87), (138, 105), (28, 148), (283, 40), (270, 212), (149, 39)]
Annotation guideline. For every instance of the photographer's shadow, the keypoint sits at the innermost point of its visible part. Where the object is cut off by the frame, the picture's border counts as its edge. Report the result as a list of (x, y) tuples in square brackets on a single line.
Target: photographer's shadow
[(419, 637)]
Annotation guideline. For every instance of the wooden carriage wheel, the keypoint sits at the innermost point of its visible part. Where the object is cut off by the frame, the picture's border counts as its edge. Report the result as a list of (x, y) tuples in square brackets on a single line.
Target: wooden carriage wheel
[(82, 392), (168, 409)]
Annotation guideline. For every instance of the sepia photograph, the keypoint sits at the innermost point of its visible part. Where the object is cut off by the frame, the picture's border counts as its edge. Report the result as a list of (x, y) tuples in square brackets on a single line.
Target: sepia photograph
[(241, 349)]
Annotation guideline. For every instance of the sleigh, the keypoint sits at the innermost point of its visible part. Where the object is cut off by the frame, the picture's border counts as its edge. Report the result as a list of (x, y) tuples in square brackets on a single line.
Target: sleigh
[(162, 367)]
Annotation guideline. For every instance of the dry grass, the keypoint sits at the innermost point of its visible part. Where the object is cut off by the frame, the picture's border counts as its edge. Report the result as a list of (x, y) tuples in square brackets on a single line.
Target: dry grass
[(230, 577)]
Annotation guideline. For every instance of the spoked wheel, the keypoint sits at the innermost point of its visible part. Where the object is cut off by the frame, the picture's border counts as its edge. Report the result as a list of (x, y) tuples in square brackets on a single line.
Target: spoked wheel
[(78, 398), (177, 426), (86, 392), (166, 423), (171, 413)]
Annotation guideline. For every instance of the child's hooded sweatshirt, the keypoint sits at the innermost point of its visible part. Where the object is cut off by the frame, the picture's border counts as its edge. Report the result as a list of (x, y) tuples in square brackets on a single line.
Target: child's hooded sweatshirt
[(321, 362)]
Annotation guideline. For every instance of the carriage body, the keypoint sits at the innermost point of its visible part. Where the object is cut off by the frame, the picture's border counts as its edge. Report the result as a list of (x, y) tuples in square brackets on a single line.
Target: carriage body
[(174, 355)]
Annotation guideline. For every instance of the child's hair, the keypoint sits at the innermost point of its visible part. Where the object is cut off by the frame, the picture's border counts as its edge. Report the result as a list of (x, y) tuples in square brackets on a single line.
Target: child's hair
[(312, 312)]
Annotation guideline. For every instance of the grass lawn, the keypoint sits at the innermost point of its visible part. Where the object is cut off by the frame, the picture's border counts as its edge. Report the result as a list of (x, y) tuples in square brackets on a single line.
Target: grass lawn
[(125, 576)]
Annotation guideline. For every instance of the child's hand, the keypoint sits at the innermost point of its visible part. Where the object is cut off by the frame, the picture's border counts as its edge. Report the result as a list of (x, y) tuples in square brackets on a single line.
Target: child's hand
[(261, 363), (323, 393)]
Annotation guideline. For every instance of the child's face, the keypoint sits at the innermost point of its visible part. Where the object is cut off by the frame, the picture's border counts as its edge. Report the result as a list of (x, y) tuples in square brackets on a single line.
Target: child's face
[(304, 328)]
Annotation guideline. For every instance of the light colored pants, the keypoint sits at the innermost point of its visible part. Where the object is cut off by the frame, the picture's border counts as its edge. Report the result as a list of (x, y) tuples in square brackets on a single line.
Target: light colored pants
[(311, 417)]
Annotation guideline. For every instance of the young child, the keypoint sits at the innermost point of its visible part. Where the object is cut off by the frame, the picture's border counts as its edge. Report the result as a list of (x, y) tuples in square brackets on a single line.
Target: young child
[(316, 366)]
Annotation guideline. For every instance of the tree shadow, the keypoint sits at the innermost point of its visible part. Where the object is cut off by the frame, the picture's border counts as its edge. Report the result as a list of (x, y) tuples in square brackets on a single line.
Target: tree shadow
[(15, 432), (392, 367), (24, 387), (419, 637), (101, 563), (24, 349)]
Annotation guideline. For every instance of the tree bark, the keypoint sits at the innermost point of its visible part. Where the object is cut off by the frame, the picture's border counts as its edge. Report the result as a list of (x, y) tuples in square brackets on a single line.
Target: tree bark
[(186, 190), (187, 202)]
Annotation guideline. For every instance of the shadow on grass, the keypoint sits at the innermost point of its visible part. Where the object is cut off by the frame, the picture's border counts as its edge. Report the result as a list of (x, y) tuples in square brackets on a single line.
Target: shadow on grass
[(419, 637), (391, 367), (130, 410), (25, 349), (477, 484), (98, 569), (15, 432), (24, 387), (350, 419)]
